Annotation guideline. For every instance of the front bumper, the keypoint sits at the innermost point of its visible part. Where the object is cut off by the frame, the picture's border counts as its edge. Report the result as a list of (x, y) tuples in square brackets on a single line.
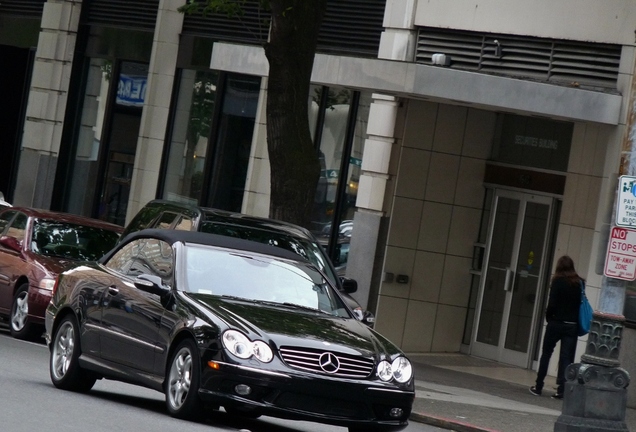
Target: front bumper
[(305, 396)]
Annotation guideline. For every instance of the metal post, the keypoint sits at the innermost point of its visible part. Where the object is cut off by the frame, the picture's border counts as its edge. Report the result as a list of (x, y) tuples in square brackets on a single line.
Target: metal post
[(595, 397)]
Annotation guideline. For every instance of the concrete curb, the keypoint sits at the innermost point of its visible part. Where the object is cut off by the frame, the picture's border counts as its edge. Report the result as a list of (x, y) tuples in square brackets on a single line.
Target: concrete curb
[(449, 424)]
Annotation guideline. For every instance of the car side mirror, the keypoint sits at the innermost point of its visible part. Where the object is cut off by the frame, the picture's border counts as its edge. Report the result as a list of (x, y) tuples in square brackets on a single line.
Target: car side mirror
[(349, 285), (151, 284), (368, 318), (11, 243)]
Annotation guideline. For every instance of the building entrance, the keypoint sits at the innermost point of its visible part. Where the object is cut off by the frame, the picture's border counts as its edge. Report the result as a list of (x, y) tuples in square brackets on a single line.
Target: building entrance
[(516, 267)]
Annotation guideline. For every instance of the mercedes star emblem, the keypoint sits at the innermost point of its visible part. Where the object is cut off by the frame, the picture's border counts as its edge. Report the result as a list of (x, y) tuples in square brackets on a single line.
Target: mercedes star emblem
[(329, 362)]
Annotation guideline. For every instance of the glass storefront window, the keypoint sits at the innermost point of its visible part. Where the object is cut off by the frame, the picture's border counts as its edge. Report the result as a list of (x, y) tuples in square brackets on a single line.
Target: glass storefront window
[(332, 141), (340, 141), (86, 164), (233, 142), (191, 131)]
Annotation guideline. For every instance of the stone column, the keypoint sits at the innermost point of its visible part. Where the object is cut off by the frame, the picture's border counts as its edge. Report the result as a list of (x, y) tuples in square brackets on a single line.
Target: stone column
[(595, 396), (370, 202), (47, 103), (155, 115)]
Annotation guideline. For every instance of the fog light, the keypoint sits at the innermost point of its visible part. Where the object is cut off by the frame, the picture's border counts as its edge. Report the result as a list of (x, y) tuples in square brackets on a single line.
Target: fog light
[(244, 389), (396, 412)]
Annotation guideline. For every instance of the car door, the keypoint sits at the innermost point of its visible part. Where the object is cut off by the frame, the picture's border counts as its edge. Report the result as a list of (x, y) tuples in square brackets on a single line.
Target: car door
[(13, 224), (131, 317)]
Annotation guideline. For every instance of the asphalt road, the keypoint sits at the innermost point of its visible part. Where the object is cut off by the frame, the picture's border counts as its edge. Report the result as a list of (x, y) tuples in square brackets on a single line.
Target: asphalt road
[(29, 402)]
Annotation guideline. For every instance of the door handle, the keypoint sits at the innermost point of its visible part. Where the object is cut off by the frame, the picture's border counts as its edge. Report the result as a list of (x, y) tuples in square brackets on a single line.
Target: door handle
[(509, 276), (112, 290)]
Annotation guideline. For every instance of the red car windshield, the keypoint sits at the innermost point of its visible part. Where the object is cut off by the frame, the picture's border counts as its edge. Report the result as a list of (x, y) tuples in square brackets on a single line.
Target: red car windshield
[(71, 241)]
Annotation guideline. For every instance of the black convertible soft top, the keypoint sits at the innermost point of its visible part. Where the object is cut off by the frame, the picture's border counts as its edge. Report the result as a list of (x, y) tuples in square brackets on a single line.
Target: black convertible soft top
[(178, 236)]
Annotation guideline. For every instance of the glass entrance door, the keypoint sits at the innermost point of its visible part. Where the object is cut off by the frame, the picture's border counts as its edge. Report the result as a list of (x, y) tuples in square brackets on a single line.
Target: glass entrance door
[(512, 281)]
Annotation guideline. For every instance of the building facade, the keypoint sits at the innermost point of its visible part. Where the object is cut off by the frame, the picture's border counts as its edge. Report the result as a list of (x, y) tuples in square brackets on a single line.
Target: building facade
[(465, 146)]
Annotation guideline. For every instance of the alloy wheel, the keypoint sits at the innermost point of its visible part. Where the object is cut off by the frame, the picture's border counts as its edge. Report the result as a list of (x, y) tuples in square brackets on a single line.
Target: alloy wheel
[(180, 378), (63, 347), (20, 312)]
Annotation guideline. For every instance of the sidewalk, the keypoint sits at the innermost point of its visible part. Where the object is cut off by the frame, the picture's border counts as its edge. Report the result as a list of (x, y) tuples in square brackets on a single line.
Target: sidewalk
[(465, 394)]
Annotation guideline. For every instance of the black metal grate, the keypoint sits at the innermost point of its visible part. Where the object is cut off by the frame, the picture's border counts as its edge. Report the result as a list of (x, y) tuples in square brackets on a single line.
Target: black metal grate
[(133, 14), (309, 360), (349, 26), (571, 62), (251, 27), (23, 8), (352, 26)]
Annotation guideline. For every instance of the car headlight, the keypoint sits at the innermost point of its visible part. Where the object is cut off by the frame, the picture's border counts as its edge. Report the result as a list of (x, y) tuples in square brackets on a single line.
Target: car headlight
[(384, 371), (400, 370), (239, 345)]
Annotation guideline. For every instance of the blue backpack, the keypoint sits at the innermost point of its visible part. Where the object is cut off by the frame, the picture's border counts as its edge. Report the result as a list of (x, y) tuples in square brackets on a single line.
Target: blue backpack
[(585, 313)]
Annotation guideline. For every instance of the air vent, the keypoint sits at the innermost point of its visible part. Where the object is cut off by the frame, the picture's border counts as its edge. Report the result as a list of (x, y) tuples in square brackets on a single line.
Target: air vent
[(352, 26), (133, 14), (23, 8), (349, 26), (251, 27), (565, 62)]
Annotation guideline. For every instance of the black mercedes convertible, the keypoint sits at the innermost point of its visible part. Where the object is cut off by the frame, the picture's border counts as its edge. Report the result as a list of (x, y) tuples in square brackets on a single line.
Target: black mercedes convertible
[(214, 321)]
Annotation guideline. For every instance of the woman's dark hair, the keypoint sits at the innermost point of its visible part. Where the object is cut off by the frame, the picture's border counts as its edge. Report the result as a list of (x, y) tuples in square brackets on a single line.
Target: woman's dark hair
[(565, 269)]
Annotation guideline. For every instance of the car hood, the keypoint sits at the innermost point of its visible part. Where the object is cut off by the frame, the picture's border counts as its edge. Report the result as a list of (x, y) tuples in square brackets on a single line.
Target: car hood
[(297, 327), (50, 265)]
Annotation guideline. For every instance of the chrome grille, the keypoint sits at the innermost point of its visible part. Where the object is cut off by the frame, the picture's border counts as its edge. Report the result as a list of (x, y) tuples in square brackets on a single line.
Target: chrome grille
[(310, 360)]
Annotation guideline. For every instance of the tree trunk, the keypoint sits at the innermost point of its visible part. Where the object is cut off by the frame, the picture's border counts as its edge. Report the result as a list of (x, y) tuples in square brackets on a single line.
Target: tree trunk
[(295, 167)]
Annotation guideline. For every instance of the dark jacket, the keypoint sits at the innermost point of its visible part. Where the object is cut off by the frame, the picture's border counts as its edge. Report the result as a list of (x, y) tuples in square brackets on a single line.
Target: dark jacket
[(564, 302)]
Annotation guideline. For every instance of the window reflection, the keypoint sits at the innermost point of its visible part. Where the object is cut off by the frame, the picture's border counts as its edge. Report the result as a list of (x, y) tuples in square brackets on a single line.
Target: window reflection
[(189, 144), (84, 174), (334, 203)]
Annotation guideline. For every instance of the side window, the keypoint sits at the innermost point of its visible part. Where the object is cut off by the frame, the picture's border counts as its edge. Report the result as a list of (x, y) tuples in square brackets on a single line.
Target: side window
[(156, 258), (5, 217), (184, 224), (123, 258), (165, 220), (18, 227)]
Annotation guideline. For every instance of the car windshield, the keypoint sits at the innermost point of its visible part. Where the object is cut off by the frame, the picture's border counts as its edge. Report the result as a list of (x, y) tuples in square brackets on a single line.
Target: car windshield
[(261, 278), (311, 251), (71, 241)]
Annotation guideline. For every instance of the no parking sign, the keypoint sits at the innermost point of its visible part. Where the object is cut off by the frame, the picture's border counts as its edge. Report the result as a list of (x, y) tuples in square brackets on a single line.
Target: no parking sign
[(620, 262)]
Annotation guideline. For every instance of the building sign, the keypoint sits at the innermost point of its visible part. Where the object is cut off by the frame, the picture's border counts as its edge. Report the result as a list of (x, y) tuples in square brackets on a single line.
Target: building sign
[(620, 261), (532, 142), (131, 90), (626, 202)]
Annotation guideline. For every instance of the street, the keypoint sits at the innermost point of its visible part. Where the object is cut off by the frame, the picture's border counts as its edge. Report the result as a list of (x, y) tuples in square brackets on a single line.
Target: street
[(30, 402)]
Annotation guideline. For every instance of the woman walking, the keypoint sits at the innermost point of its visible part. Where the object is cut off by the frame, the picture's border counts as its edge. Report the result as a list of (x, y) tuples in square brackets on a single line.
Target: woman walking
[(562, 315)]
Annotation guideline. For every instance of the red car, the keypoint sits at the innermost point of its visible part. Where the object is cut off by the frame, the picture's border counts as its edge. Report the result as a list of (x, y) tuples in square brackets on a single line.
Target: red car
[(35, 246)]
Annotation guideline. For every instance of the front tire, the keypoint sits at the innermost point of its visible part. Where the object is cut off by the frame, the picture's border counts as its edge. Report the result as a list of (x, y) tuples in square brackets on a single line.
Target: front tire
[(182, 382), (19, 324), (66, 373)]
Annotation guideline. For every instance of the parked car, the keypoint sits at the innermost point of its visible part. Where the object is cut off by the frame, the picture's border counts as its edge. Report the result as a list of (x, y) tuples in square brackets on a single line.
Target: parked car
[(35, 245), (165, 214), (214, 321)]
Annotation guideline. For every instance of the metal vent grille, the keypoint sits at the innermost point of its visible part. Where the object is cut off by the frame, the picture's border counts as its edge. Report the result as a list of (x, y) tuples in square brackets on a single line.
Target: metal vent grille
[(24, 8), (571, 62), (134, 14), (251, 27), (345, 366), (352, 26), (349, 26)]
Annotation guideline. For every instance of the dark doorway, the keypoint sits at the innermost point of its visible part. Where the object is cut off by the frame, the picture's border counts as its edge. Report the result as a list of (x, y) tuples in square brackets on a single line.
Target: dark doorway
[(15, 77)]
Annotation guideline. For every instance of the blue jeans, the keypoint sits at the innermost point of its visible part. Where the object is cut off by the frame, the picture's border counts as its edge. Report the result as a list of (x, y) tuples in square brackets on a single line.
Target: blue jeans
[(557, 331)]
